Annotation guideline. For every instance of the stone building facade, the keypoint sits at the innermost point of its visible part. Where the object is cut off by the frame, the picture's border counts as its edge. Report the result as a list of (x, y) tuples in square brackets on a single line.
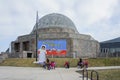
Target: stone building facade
[(55, 27)]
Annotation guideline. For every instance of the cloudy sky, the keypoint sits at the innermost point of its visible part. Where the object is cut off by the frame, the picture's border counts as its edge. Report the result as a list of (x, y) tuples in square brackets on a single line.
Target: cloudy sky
[(98, 18)]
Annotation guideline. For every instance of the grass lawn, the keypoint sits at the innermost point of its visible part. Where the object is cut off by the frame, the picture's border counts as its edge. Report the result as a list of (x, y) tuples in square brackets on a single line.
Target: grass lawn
[(28, 62), (109, 74), (106, 74)]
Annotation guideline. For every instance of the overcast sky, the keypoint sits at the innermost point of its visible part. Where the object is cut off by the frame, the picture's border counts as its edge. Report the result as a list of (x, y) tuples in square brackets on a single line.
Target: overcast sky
[(98, 18)]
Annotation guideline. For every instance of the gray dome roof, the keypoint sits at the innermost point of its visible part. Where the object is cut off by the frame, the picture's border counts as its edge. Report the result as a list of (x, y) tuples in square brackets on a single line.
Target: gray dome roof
[(55, 20)]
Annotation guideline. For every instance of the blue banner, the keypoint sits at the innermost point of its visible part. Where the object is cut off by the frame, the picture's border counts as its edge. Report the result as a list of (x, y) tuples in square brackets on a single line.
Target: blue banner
[(54, 46)]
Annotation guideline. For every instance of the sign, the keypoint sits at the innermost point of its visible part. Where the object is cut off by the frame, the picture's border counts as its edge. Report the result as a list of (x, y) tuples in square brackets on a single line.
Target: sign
[(54, 47)]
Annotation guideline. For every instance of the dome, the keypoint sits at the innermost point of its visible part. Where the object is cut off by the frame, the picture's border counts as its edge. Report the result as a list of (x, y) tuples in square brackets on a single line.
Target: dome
[(55, 20)]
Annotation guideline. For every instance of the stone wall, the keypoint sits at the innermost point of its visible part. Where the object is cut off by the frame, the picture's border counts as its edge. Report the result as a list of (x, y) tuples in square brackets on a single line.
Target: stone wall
[(85, 48), (3, 56), (80, 44)]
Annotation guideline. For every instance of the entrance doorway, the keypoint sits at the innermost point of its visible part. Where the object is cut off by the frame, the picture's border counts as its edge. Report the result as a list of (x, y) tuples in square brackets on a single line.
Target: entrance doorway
[(29, 55)]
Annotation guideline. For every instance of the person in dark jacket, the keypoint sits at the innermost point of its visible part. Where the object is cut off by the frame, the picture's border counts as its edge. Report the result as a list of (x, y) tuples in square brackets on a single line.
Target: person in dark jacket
[(80, 63)]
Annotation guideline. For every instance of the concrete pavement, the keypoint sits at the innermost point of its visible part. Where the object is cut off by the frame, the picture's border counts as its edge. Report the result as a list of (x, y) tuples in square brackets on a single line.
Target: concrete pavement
[(106, 67), (27, 73), (102, 68), (36, 73)]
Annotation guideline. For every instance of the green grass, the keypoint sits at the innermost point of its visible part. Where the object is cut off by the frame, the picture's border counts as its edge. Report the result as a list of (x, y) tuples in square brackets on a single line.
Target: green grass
[(28, 62), (19, 62), (109, 74), (106, 74), (104, 62)]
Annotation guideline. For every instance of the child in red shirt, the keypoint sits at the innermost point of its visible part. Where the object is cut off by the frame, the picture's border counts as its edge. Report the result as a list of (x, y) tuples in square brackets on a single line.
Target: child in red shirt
[(66, 65), (86, 63)]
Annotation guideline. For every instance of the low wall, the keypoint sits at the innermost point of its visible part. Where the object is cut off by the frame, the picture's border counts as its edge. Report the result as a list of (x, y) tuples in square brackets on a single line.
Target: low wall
[(3, 56)]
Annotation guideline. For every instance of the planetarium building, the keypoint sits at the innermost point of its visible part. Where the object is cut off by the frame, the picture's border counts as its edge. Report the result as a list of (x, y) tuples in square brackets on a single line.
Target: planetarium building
[(60, 36)]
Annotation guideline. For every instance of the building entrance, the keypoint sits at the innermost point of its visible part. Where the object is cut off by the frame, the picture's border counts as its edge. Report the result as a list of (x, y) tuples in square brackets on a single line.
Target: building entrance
[(29, 55)]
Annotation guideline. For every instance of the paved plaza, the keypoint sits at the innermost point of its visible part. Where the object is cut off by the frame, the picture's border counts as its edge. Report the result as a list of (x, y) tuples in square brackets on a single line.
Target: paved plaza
[(30, 73)]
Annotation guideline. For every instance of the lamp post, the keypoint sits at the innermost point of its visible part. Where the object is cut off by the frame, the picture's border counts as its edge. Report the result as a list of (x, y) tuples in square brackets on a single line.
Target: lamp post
[(36, 34)]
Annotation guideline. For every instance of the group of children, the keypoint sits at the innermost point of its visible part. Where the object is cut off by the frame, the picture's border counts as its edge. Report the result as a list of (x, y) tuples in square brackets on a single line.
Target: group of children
[(48, 65), (51, 64), (82, 63)]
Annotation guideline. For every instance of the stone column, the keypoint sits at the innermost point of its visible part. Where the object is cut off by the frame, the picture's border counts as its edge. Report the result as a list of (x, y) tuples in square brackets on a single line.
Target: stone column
[(12, 47), (21, 50)]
